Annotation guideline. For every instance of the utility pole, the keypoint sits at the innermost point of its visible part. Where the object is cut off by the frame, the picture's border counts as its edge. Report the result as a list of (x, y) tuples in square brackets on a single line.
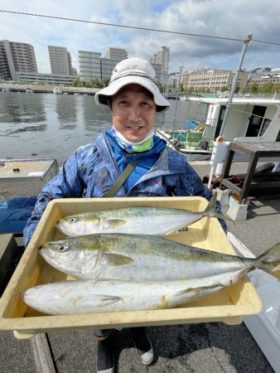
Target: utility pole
[(177, 96), (246, 41)]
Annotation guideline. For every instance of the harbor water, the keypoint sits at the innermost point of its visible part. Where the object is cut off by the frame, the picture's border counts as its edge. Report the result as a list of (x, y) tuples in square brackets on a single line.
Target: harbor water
[(53, 126)]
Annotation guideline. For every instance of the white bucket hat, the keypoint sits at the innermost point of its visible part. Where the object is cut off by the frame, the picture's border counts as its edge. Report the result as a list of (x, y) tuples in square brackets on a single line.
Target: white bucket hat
[(132, 71)]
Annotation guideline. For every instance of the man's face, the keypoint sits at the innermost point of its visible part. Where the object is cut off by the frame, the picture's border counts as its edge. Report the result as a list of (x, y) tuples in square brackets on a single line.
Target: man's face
[(133, 112)]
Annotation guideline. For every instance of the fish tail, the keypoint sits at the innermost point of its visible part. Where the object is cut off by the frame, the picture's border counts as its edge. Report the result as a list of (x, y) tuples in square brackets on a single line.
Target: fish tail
[(211, 210), (269, 261)]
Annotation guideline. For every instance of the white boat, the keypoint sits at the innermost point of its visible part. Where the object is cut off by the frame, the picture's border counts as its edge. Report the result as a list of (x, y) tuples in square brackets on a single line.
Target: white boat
[(57, 91), (6, 90), (250, 119), (25, 177)]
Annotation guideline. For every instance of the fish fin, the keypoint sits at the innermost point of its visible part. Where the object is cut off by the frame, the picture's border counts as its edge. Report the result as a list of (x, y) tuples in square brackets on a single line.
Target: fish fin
[(193, 293), (184, 229), (117, 259), (109, 299), (189, 290), (269, 261), (115, 223), (212, 212)]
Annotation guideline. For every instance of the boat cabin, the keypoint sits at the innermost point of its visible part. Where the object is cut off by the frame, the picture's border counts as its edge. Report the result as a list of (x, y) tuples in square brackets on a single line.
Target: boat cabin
[(249, 118)]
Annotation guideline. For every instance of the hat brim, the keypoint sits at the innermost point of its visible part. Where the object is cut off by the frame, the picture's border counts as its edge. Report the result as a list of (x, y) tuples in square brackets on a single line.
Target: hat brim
[(101, 97)]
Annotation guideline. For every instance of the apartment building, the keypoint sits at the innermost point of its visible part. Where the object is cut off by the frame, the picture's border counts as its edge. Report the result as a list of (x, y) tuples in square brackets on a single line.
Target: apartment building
[(45, 78), (211, 80), (93, 66), (262, 78), (5, 72), (60, 60), (116, 54), (16, 57), (162, 58), (89, 63), (107, 66)]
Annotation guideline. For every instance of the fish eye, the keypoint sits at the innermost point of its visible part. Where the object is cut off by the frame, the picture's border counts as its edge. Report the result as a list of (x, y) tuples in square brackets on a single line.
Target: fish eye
[(62, 247), (73, 220)]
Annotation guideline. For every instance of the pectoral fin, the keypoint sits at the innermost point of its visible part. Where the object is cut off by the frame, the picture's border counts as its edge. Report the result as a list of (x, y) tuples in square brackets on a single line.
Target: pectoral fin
[(189, 290), (196, 293), (107, 300), (118, 260), (114, 223)]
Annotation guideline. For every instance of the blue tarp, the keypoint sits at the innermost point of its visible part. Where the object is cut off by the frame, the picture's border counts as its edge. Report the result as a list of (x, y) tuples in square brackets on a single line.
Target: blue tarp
[(191, 124), (14, 213)]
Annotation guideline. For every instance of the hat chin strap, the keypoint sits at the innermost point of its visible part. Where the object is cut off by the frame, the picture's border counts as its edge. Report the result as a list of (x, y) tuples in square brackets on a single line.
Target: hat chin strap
[(134, 147)]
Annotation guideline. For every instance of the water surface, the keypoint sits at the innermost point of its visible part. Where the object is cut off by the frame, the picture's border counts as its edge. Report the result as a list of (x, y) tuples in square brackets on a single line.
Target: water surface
[(37, 125)]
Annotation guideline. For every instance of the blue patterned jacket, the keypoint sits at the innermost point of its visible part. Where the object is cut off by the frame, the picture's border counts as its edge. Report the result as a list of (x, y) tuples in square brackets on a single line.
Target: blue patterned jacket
[(94, 168)]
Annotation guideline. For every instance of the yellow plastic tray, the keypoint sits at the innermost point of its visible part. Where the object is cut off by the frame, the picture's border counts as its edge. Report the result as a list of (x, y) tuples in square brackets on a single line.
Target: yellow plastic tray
[(228, 305)]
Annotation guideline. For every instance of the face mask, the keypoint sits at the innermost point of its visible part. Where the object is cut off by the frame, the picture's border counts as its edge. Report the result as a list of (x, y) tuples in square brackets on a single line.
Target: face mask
[(134, 147)]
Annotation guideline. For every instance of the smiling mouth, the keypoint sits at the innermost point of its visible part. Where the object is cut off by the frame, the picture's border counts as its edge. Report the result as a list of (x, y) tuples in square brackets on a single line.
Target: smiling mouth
[(135, 127)]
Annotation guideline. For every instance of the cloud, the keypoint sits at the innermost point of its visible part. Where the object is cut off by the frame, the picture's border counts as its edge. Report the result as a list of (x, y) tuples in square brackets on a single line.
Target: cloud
[(216, 18)]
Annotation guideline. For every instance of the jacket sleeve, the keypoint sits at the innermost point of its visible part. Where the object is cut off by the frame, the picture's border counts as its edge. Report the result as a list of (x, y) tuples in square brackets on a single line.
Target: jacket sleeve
[(67, 183)]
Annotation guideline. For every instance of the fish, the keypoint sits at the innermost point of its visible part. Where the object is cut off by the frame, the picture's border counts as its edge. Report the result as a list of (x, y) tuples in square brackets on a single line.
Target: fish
[(135, 220), (89, 296), (117, 256)]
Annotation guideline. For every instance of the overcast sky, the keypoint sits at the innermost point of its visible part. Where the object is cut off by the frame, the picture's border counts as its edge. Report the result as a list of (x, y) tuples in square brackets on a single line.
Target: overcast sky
[(220, 18)]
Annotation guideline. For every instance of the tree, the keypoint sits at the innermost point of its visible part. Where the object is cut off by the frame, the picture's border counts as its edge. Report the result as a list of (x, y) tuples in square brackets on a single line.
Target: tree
[(267, 88), (254, 88), (77, 82)]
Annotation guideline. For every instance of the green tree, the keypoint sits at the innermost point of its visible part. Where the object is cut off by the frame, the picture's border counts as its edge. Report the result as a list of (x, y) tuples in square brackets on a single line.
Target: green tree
[(254, 88), (77, 82), (267, 88), (277, 87)]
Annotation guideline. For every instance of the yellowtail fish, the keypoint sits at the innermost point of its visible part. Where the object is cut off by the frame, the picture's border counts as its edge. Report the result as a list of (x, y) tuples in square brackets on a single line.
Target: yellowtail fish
[(134, 220), (114, 256), (76, 297)]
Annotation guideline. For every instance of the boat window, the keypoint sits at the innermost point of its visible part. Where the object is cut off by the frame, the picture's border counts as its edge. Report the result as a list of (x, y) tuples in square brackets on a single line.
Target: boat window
[(255, 121), (265, 126)]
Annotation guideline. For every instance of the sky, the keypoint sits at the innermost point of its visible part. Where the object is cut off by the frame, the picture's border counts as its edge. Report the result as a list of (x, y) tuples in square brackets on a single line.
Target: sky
[(215, 22)]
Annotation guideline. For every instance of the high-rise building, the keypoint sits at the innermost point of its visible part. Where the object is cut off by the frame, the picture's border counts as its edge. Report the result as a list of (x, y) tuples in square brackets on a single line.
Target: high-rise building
[(93, 66), (158, 70), (116, 54), (162, 58), (5, 72), (107, 66), (89, 63), (15, 58), (60, 60)]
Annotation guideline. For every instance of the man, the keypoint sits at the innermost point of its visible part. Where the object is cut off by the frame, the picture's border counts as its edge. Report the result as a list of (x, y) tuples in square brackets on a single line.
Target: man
[(134, 100)]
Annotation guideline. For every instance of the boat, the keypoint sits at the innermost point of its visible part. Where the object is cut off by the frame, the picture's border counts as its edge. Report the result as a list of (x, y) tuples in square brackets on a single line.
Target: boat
[(249, 119), (21, 180), (6, 90), (57, 91), (26, 176)]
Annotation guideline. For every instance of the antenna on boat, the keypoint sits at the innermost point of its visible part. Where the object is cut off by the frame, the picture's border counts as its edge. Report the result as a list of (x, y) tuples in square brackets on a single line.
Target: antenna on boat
[(177, 96), (246, 41)]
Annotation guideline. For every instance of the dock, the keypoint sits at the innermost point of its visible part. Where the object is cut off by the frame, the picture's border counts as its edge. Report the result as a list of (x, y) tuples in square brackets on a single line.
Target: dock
[(46, 88)]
